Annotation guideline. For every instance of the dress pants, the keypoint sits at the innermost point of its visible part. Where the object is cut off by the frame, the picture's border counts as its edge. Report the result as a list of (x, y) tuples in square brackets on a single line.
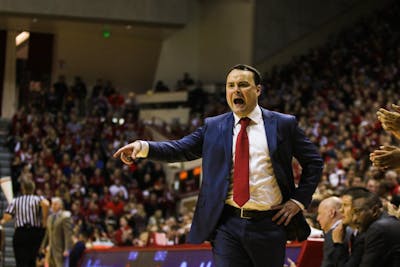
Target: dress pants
[(26, 243), (241, 242)]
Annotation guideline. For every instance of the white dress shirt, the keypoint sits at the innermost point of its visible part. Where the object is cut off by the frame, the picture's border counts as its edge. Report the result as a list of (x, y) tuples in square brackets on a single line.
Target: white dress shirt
[(264, 189)]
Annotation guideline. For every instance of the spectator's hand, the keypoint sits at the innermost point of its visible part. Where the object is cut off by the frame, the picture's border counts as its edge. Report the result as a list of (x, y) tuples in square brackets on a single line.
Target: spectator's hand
[(338, 233), (66, 253), (286, 212), (390, 120), (391, 208), (128, 153), (387, 157)]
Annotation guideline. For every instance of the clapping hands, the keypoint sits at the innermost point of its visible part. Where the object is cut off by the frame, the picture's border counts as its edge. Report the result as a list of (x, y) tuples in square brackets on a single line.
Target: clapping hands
[(386, 157), (390, 120)]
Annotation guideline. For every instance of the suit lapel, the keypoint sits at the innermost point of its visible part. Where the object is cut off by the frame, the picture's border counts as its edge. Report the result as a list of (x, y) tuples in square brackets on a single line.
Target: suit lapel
[(270, 130), (226, 130), (274, 138)]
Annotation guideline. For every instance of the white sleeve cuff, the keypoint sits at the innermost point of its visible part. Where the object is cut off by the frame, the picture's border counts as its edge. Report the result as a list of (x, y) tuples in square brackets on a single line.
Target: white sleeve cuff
[(298, 203), (144, 151)]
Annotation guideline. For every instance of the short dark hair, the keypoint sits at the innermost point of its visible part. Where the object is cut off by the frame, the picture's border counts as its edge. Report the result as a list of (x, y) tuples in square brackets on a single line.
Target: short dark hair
[(361, 192), (256, 73), (373, 200), (27, 186), (355, 192)]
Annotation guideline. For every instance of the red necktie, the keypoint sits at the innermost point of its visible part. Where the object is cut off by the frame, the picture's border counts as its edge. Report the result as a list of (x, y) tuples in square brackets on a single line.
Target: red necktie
[(241, 192)]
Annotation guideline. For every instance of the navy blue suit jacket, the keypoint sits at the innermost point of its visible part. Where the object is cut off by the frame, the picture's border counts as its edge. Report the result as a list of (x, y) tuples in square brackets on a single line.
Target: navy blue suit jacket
[(378, 246), (382, 243), (213, 142)]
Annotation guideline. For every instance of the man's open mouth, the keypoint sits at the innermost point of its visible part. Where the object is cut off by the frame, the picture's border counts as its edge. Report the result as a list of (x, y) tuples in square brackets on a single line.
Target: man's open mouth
[(238, 101)]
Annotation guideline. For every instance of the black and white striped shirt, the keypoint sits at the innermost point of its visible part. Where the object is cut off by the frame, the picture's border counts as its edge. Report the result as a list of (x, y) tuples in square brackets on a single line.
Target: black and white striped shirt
[(26, 210)]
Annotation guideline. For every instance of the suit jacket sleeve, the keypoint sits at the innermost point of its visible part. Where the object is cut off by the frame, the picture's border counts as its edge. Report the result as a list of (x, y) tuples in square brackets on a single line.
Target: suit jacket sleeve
[(185, 149), (310, 160), (67, 231), (342, 256), (375, 245), (328, 251)]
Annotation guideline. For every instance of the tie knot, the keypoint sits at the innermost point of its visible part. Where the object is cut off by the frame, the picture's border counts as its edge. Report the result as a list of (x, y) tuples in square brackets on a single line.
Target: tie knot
[(244, 122)]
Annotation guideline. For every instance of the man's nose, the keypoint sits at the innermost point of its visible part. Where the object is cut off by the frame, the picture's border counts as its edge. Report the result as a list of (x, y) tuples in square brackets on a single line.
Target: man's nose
[(237, 90)]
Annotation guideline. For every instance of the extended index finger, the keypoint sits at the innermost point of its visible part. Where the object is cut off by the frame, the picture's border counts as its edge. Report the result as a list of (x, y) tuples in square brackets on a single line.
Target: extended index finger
[(119, 151)]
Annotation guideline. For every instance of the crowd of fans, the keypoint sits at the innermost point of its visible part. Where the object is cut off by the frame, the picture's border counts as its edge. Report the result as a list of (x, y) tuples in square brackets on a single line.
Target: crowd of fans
[(64, 140), (70, 156), (336, 91)]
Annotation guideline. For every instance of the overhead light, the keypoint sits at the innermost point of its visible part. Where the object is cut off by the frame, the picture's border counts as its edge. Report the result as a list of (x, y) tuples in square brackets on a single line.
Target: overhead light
[(21, 38)]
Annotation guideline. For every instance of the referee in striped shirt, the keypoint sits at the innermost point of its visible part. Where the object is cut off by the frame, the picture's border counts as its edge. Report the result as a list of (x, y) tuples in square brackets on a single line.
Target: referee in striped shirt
[(30, 213)]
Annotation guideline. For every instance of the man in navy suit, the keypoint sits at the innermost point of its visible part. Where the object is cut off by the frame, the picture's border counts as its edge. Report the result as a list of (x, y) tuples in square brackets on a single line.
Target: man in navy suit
[(248, 211), (379, 233)]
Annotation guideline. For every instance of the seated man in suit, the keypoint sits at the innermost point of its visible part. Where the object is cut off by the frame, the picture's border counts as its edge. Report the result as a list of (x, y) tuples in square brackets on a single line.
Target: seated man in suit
[(348, 241), (382, 232), (329, 216), (379, 231)]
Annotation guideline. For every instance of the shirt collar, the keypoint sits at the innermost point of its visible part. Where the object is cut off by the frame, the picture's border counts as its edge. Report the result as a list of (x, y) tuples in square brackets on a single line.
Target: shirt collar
[(255, 115), (335, 224)]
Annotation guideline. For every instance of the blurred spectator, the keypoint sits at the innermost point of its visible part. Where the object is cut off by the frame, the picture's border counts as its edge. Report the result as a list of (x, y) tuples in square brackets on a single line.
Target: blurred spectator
[(52, 101), (80, 92), (115, 204), (77, 249), (161, 87), (131, 107), (61, 88), (124, 235), (97, 89), (372, 185), (118, 189), (108, 89)]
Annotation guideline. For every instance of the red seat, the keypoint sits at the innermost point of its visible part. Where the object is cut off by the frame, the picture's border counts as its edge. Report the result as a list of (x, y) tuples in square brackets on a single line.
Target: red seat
[(311, 253)]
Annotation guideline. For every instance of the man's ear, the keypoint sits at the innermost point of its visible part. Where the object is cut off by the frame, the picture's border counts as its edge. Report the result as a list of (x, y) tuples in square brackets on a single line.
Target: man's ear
[(376, 211), (259, 88), (332, 213)]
